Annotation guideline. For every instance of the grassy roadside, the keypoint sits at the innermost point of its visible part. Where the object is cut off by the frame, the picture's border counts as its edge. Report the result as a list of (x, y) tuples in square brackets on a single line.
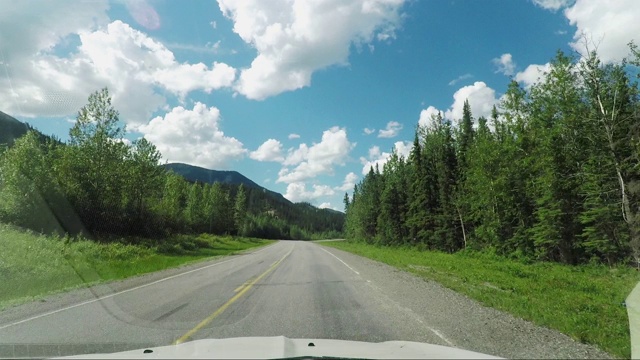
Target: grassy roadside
[(33, 265), (584, 302)]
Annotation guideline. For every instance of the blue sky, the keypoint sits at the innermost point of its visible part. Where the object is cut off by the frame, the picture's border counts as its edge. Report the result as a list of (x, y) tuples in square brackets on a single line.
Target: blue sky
[(299, 96)]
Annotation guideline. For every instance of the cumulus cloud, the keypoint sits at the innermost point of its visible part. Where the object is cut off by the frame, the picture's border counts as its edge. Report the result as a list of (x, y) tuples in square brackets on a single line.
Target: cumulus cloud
[(293, 39), (533, 74), (368, 131), (193, 137), (610, 24), (270, 150), (504, 64), (481, 100), (349, 182), (25, 47), (319, 158), (294, 136), (392, 130), (127, 61), (553, 5), (376, 157), (297, 191), (427, 115)]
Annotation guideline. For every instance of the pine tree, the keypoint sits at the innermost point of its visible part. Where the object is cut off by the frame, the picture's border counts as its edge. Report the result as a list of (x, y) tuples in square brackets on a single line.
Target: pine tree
[(240, 210)]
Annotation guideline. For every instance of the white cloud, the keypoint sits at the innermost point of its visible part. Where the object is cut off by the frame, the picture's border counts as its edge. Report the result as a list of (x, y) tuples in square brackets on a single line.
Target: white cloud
[(270, 150), (533, 74), (460, 78), (553, 5), (317, 159), (427, 115), (325, 205), (26, 89), (209, 47), (376, 157), (349, 182), (368, 131), (293, 39), (130, 63), (392, 130), (294, 136), (296, 156), (610, 24), (504, 64), (193, 137), (481, 100), (297, 191)]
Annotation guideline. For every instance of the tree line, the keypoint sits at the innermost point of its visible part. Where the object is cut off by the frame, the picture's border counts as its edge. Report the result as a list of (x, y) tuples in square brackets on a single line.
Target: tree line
[(99, 185), (552, 175)]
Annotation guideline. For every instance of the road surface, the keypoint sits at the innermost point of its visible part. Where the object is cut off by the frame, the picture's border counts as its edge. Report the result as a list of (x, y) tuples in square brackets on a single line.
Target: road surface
[(292, 288)]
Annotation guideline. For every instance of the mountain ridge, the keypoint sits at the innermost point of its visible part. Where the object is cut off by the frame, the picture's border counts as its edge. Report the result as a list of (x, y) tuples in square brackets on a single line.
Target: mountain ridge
[(195, 173)]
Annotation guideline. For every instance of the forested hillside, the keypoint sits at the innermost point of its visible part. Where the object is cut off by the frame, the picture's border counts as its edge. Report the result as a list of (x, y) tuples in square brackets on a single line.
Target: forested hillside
[(102, 187), (552, 175), (277, 214)]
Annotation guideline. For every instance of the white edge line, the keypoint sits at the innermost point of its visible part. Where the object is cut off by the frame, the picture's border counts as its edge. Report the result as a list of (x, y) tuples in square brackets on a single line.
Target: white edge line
[(124, 291), (345, 264), (441, 336)]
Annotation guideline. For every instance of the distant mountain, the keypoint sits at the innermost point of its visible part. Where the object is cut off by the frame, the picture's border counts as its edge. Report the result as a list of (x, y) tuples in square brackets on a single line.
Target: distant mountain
[(199, 174), (265, 202), (11, 129)]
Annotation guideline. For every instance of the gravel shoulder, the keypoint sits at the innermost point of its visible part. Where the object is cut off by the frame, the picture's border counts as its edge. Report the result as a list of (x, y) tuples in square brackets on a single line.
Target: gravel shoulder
[(464, 322)]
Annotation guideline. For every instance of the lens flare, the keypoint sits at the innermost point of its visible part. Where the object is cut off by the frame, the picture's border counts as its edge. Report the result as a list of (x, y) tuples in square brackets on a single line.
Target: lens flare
[(144, 13)]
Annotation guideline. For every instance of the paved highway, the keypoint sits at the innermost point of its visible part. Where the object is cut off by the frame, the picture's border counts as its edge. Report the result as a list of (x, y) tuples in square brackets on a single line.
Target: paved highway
[(292, 288)]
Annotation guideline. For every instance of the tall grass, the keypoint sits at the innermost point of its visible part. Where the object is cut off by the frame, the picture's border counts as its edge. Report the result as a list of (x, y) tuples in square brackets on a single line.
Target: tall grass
[(32, 265), (585, 302)]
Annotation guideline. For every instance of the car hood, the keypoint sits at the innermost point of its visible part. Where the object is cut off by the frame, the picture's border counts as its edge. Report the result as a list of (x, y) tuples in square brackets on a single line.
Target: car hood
[(279, 347)]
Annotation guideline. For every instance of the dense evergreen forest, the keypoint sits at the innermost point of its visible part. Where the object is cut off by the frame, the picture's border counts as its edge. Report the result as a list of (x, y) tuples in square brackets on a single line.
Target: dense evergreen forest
[(552, 175), (100, 186)]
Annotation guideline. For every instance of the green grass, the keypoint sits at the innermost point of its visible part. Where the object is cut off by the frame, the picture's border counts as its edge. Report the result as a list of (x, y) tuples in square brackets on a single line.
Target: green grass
[(33, 265), (584, 302)]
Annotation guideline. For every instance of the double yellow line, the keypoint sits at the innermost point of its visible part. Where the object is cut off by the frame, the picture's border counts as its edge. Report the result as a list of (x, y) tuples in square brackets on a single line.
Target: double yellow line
[(241, 290)]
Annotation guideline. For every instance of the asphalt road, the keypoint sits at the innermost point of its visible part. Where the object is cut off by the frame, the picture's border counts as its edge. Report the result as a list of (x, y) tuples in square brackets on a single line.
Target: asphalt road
[(292, 288)]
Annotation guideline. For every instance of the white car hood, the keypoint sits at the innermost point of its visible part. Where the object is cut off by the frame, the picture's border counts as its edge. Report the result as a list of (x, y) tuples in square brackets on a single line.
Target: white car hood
[(279, 347)]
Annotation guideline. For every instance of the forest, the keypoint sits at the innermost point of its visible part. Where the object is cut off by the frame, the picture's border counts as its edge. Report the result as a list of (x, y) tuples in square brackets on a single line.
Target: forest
[(102, 187), (552, 175)]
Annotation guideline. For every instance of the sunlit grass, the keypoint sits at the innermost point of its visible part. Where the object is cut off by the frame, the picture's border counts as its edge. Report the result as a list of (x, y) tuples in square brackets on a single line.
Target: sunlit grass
[(584, 302), (32, 265)]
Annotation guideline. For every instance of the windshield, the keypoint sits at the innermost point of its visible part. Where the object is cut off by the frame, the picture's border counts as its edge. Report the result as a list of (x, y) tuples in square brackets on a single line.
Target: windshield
[(457, 173)]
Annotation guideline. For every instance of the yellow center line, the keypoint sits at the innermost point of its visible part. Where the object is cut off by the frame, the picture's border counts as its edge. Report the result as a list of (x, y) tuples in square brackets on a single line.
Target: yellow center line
[(222, 308), (243, 285)]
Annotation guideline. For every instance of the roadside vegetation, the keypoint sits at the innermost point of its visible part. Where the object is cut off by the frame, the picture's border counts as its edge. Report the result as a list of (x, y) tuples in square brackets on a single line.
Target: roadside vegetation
[(103, 186), (535, 211), (552, 175), (585, 302), (33, 265)]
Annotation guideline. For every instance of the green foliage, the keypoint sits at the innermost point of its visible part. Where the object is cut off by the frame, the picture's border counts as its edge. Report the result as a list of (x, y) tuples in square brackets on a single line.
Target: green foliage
[(552, 176), (32, 265), (27, 192), (240, 209), (103, 187)]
